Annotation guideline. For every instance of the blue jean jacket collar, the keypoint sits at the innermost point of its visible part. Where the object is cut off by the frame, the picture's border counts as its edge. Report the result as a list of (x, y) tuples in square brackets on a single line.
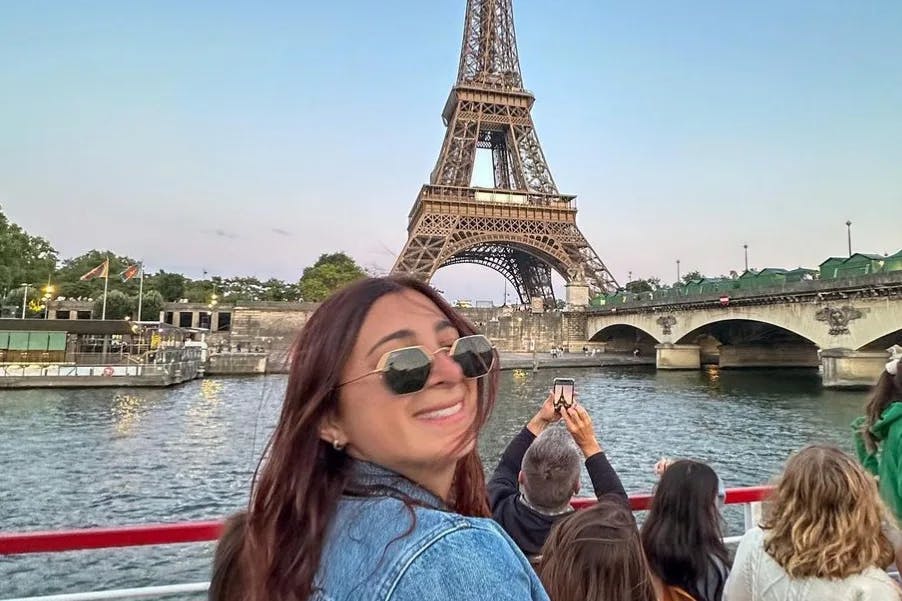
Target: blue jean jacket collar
[(369, 478)]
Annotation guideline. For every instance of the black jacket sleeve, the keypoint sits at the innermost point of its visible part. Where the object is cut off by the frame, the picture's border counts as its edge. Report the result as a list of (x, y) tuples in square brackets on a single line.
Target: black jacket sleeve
[(503, 483), (605, 480)]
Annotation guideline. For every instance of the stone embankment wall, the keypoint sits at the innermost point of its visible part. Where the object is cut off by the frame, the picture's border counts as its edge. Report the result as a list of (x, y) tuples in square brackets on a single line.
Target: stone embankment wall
[(264, 327), (524, 331), (272, 327), (236, 364)]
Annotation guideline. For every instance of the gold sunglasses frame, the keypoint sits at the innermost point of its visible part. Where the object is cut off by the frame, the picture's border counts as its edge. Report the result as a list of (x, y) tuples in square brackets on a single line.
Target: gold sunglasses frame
[(382, 367)]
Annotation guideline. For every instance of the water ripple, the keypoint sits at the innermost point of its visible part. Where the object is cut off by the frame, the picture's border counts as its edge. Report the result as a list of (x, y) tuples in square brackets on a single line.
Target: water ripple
[(100, 457)]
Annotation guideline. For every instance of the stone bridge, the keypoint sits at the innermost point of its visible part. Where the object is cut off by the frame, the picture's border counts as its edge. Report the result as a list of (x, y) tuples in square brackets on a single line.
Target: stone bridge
[(845, 326)]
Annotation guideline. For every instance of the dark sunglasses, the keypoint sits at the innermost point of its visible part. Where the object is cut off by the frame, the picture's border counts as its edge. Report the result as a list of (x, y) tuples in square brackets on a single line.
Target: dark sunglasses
[(406, 370)]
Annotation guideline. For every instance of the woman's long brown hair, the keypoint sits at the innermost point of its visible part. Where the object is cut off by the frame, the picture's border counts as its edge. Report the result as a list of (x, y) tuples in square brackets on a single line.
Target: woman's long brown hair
[(301, 478), (595, 555), (887, 389), (227, 582)]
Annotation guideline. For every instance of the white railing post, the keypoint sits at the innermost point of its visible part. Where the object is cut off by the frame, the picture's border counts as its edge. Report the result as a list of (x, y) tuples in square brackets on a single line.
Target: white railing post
[(751, 515)]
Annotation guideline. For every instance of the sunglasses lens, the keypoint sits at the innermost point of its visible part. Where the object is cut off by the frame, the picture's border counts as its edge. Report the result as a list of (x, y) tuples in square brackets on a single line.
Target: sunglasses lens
[(475, 355), (406, 370)]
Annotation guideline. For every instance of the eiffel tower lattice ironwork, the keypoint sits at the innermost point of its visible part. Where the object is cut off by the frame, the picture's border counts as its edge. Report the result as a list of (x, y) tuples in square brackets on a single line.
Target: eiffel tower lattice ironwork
[(522, 227)]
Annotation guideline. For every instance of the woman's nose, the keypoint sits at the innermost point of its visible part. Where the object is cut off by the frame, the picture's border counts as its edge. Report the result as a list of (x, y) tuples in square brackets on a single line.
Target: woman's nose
[(446, 369)]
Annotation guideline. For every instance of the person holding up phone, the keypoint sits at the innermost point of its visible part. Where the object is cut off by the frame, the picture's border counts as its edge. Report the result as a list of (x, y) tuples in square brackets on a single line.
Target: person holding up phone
[(539, 470), (563, 393)]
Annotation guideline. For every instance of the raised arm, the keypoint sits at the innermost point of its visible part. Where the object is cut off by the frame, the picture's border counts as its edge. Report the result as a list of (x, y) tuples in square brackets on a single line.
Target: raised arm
[(605, 480), (503, 482)]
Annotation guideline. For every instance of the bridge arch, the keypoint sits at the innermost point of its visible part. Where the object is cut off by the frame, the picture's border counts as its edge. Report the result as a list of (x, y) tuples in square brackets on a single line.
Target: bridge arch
[(742, 342), (883, 342), (625, 338), (747, 327)]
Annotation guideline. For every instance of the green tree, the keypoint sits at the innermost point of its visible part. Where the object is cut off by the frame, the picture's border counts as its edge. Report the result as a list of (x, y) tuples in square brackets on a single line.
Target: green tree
[(644, 285), (119, 305), (68, 277), (330, 273), (23, 258), (76, 289), (170, 285), (12, 303), (201, 291), (693, 275), (239, 289), (151, 305), (277, 290)]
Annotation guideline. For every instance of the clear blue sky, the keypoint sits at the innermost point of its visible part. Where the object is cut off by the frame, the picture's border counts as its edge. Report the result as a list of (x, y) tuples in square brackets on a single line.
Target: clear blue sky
[(247, 138)]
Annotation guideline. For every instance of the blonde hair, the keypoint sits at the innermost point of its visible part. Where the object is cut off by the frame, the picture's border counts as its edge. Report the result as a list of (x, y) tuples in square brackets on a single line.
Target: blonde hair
[(824, 519)]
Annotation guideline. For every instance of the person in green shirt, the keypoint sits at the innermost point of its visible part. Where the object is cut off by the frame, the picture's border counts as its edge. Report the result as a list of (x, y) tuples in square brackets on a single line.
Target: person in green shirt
[(878, 434)]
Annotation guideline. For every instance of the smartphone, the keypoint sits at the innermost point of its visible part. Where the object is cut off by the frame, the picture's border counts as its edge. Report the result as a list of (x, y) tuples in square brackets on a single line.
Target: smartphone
[(563, 393)]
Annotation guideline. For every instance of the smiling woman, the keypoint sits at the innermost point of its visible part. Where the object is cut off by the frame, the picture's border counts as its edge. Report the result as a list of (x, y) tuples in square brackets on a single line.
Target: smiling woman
[(372, 486)]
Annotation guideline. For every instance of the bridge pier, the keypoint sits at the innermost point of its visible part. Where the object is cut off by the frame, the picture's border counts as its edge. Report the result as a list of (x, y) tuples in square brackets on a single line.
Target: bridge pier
[(845, 368), (772, 355), (577, 295), (678, 356)]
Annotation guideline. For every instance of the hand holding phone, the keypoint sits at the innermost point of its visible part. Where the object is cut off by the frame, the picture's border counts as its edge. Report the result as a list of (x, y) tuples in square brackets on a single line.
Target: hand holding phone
[(562, 393)]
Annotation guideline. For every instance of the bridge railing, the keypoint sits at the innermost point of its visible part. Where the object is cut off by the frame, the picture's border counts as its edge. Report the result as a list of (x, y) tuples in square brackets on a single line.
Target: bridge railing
[(870, 285)]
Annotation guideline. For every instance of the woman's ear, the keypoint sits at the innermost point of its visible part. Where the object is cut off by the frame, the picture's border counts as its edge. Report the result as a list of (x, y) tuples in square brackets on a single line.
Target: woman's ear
[(330, 431)]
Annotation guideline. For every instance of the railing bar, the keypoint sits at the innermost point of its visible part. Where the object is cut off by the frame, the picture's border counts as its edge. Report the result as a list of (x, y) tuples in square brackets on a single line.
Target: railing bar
[(124, 593), (192, 532)]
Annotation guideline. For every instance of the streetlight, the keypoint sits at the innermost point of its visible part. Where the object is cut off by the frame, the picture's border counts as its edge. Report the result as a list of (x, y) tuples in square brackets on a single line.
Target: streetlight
[(678, 271), (25, 299), (630, 278), (48, 294), (745, 247), (214, 300), (849, 233)]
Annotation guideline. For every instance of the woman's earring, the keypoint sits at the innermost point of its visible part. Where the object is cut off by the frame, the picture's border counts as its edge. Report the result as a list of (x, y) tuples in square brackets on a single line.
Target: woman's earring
[(338, 445)]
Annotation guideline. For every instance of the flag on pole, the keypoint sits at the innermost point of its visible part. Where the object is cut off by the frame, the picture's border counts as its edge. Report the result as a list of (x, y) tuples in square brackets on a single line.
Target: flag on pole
[(101, 271), (130, 272)]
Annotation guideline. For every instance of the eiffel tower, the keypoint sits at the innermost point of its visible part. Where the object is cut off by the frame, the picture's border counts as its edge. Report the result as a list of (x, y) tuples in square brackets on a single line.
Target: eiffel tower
[(522, 227)]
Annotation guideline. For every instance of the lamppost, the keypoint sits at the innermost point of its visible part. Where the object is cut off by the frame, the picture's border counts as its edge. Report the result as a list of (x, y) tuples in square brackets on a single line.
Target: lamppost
[(849, 234), (745, 247), (630, 277), (678, 271), (48, 294), (214, 300), (25, 299)]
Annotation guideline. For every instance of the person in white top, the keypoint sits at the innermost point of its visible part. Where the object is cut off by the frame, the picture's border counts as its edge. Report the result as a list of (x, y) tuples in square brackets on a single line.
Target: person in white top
[(822, 538)]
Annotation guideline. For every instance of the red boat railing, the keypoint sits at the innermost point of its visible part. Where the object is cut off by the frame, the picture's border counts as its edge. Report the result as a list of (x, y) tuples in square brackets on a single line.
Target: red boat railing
[(195, 532), (57, 541)]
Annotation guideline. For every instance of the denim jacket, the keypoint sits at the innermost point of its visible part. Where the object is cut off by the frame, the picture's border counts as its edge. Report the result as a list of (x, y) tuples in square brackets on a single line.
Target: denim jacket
[(379, 550)]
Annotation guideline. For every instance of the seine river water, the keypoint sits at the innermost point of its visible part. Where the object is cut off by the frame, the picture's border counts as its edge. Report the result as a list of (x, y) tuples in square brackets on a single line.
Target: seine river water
[(74, 459)]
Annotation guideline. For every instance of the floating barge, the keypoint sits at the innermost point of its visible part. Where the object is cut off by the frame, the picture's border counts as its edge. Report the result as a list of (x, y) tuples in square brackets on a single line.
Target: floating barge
[(86, 353)]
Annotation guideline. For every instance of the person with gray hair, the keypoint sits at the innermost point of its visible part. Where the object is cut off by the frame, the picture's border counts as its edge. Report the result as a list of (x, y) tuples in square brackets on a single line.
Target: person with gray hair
[(539, 473)]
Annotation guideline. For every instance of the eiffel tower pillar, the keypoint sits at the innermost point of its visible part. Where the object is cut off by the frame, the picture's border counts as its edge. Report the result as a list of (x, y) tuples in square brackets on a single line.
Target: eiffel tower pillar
[(522, 227)]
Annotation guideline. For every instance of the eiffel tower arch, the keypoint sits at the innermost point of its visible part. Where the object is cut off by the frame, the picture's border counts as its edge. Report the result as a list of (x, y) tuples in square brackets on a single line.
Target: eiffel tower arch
[(522, 227)]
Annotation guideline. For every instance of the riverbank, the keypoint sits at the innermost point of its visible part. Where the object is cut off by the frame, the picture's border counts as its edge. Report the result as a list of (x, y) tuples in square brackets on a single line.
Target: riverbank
[(250, 364), (545, 360)]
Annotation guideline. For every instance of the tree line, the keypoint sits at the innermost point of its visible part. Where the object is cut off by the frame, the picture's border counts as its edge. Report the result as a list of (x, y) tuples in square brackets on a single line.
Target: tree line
[(28, 259)]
